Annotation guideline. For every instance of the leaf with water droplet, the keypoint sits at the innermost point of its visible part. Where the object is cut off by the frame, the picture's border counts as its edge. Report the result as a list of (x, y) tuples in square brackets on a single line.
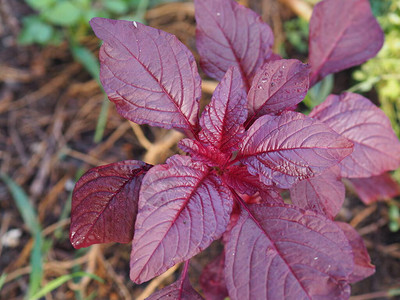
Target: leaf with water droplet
[(284, 149), (277, 86)]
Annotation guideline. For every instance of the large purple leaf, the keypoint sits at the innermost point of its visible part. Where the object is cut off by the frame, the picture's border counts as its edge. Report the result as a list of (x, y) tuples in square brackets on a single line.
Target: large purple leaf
[(323, 194), (291, 147), (149, 74), (104, 203), (343, 33), (362, 262), (179, 290), (183, 207), (212, 279), (277, 86), (282, 252), (376, 147), (375, 188), (229, 34), (223, 118)]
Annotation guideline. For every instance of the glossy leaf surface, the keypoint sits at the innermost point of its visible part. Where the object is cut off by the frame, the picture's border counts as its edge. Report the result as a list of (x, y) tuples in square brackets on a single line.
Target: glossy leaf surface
[(376, 147), (323, 193), (229, 34), (179, 290), (362, 262), (281, 252), (223, 118), (343, 33), (212, 279), (104, 203), (291, 147), (149, 74), (277, 86), (183, 207), (375, 188)]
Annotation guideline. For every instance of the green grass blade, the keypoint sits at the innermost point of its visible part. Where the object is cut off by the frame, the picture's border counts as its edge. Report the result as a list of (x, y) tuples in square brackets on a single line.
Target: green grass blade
[(394, 292), (2, 280), (24, 206), (102, 121), (90, 62), (87, 59), (52, 285), (29, 216), (36, 262)]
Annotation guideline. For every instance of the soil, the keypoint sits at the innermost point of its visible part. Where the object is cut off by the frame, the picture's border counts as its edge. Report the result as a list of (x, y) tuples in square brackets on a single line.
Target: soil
[(49, 107)]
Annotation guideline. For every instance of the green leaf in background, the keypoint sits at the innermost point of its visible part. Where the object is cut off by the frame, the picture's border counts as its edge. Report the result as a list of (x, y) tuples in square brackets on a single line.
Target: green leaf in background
[(87, 59), (63, 13), (52, 285), (116, 6), (35, 31), (29, 216), (318, 93), (41, 4), (297, 34), (394, 217)]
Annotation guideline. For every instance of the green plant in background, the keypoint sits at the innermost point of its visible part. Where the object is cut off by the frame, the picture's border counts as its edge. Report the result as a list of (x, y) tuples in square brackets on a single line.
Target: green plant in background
[(68, 20), (59, 20), (383, 74), (383, 71)]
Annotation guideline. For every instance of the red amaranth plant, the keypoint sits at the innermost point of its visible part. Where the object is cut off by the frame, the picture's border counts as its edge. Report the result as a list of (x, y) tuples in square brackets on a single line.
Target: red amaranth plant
[(246, 147)]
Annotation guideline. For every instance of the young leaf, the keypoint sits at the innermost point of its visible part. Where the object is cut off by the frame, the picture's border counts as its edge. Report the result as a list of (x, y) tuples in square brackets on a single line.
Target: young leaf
[(179, 290), (229, 34), (222, 120), (104, 203), (183, 207), (149, 74), (362, 262), (375, 188), (277, 86), (212, 279), (323, 194), (291, 147), (376, 147), (343, 33), (209, 155), (282, 252), (239, 178)]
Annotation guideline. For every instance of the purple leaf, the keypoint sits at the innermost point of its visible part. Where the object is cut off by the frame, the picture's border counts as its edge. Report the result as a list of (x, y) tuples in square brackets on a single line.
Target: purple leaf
[(362, 262), (206, 154), (149, 74), (104, 203), (376, 147), (183, 207), (239, 178), (179, 290), (375, 188), (343, 33), (222, 120), (291, 147), (282, 252), (229, 34), (212, 279), (323, 194), (277, 86)]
